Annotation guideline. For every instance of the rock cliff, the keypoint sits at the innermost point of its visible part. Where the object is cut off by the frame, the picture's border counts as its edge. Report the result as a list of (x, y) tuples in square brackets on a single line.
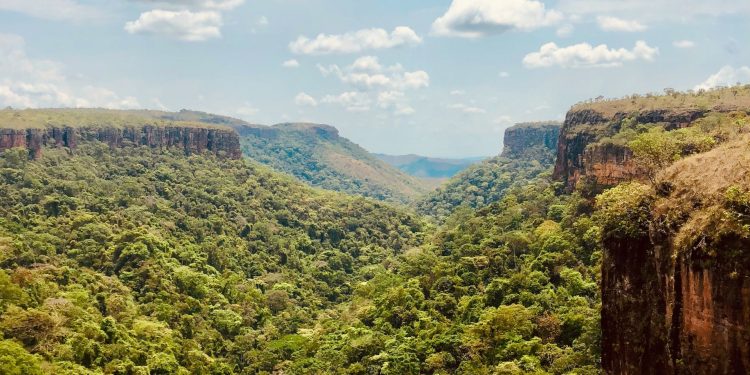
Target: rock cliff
[(37, 129), (524, 136), (676, 294), (580, 155)]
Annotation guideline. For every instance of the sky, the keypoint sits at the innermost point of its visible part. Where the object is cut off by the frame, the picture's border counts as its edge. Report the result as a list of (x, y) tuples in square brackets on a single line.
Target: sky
[(439, 78)]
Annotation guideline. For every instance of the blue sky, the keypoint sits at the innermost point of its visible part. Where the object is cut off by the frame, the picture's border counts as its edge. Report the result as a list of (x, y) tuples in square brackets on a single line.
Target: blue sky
[(438, 78)]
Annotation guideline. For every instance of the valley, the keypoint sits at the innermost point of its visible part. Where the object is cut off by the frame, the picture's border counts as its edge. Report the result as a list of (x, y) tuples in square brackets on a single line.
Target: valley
[(155, 242)]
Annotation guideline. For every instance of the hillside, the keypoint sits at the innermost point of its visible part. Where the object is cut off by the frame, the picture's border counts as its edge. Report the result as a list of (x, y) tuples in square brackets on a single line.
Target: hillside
[(318, 155), (147, 260), (427, 167), (528, 151)]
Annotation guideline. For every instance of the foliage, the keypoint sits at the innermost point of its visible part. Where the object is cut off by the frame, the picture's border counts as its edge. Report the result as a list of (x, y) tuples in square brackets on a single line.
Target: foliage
[(317, 155), (130, 261), (486, 182)]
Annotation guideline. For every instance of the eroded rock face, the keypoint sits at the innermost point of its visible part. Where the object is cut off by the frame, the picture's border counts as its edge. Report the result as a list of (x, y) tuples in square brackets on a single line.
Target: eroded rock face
[(521, 137), (662, 314), (192, 140), (579, 156)]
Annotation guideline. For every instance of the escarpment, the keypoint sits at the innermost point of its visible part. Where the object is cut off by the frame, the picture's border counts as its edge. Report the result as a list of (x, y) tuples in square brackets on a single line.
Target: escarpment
[(676, 291), (524, 136), (23, 130), (581, 153)]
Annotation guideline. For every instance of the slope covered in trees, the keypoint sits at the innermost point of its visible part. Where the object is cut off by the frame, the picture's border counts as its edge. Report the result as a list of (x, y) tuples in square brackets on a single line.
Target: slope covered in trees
[(134, 260), (528, 152), (318, 155)]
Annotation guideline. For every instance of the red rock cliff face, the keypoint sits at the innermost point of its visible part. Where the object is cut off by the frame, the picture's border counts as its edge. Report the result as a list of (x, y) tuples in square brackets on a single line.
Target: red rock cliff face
[(578, 155), (676, 297), (688, 314), (192, 140)]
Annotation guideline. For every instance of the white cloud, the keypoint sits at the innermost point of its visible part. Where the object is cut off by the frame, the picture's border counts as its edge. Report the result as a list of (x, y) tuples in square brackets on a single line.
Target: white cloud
[(584, 55), (353, 101), (304, 100), (726, 76), (504, 74), (183, 24), (476, 18), (608, 23), (467, 108), (564, 31), (51, 9), (366, 73), (458, 92), (683, 43), (204, 4), (290, 64), (354, 42), (28, 82)]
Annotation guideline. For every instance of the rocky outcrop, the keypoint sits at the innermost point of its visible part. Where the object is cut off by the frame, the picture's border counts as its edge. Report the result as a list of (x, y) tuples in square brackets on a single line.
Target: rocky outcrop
[(580, 156), (521, 137), (224, 142)]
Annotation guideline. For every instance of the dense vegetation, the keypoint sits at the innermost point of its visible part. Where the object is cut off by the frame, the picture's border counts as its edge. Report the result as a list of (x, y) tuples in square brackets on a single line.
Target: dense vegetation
[(141, 261), (486, 182), (316, 154), (135, 261), (128, 261)]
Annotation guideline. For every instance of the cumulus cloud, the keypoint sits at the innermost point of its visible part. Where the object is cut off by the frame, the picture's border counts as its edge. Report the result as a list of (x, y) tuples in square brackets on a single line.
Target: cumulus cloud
[(354, 42), (304, 100), (366, 73), (476, 18), (51, 9), (353, 101), (608, 23), (585, 55), (467, 108), (290, 64), (29, 82), (726, 76), (375, 83), (184, 25), (683, 43), (204, 4)]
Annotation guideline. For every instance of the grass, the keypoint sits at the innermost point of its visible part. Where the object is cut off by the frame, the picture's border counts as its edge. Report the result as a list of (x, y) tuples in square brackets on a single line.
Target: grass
[(721, 99), (88, 118)]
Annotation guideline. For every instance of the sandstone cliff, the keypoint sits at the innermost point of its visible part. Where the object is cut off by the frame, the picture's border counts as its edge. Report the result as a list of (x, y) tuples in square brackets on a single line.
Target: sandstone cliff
[(524, 136), (676, 293), (580, 155), (120, 129)]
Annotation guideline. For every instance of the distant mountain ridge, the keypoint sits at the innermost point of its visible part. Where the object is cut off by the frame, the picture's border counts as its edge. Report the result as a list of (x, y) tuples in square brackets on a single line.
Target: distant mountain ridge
[(428, 167), (318, 155)]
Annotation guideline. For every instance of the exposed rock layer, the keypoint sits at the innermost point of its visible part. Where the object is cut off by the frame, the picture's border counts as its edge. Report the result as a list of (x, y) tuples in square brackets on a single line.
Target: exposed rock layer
[(579, 155), (192, 140), (521, 137)]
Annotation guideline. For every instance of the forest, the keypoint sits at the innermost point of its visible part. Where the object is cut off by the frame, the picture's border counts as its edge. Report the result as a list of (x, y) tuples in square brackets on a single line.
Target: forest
[(151, 260)]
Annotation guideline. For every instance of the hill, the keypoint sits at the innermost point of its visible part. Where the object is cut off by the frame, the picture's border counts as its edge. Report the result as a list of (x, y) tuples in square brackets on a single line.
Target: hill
[(140, 259), (528, 151), (318, 155), (427, 167)]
